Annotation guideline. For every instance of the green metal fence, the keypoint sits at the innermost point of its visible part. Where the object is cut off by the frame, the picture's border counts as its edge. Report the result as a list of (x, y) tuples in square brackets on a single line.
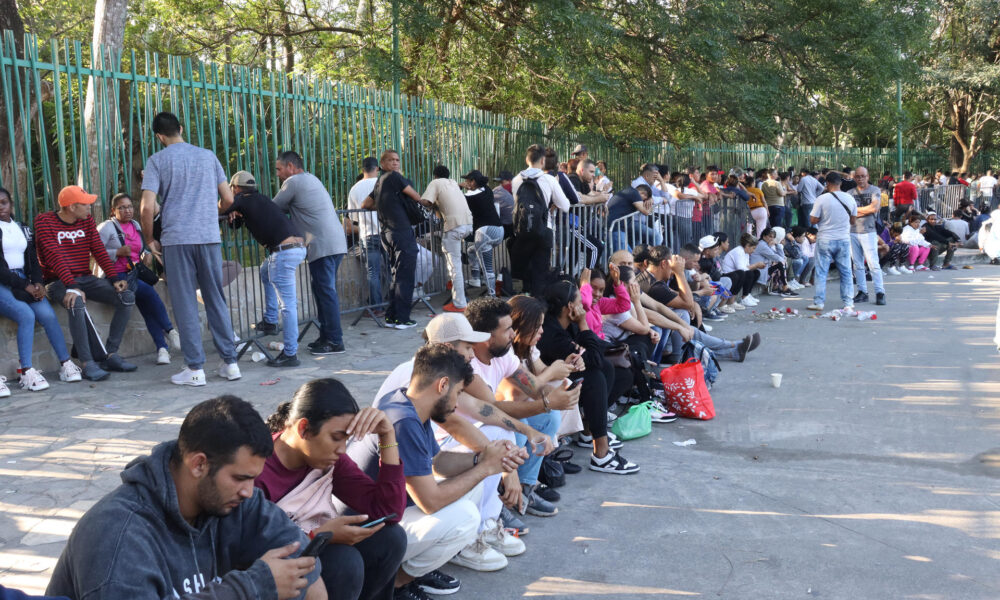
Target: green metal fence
[(246, 116)]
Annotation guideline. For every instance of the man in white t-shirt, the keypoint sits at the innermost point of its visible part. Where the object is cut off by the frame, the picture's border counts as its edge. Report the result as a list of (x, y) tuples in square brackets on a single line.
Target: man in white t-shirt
[(986, 184), (530, 253), (367, 227), (449, 200), (833, 214)]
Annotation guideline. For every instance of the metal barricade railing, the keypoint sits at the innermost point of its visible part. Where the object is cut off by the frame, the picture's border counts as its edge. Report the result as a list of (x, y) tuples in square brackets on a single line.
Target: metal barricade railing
[(363, 277), (942, 199), (683, 211), (579, 238)]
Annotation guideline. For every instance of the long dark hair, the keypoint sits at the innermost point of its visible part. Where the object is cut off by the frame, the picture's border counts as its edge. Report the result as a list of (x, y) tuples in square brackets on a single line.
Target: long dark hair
[(558, 295), (527, 315), (315, 401)]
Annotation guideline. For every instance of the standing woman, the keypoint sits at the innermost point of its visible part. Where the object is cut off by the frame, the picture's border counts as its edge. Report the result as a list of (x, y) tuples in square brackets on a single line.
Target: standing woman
[(22, 300), (122, 238), (487, 227)]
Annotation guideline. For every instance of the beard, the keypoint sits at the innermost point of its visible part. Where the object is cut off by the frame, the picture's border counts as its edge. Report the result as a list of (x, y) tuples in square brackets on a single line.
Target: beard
[(499, 351), (440, 412), (211, 500)]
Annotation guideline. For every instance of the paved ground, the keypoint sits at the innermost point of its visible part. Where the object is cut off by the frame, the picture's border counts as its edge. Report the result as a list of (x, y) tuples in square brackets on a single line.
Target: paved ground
[(871, 473)]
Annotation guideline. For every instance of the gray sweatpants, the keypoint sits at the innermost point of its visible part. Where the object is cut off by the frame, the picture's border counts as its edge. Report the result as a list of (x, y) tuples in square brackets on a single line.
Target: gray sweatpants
[(190, 267), (97, 290)]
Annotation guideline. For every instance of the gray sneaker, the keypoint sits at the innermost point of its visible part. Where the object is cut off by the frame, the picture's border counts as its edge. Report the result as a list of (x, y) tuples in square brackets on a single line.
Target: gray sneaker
[(513, 522), (538, 506), (92, 372), (114, 362)]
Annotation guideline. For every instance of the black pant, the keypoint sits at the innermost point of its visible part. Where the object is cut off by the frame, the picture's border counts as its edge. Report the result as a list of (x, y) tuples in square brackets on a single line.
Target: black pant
[(742, 281), (529, 256), (401, 247), (366, 570), (900, 210), (937, 249), (601, 386)]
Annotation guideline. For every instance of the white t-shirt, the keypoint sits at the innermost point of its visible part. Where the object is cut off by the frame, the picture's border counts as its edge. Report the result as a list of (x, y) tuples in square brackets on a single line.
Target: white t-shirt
[(958, 227), (498, 369), (735, 260), (368, 220), (399, 378), (14, 244), (986, 183), (834, 220), (549, 185), (612, 325)]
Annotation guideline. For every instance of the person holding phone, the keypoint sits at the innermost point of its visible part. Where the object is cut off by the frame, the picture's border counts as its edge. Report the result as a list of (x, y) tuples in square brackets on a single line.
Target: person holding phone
[(310, 463)]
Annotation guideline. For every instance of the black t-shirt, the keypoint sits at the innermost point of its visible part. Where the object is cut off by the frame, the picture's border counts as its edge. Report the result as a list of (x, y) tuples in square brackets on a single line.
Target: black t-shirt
[(266, 222), (388, 201), (662, 293), (645, 280), (583, 188), (484, 212)]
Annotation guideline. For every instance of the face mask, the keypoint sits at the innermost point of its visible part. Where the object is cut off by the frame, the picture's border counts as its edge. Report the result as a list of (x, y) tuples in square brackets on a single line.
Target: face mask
[(597, 172)]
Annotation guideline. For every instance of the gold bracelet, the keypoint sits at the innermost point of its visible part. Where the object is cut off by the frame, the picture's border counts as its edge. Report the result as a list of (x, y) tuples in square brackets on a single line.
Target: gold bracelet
[(387, 446)]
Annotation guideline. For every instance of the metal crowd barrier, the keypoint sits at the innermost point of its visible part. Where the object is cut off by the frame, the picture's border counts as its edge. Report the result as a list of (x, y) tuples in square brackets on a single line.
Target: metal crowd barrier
[(579, 238), (942, 199)]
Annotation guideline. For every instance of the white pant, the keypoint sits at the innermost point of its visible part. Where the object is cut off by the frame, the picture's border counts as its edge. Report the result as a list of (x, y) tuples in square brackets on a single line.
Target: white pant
[(432, 540), (759, 216), (451, 243), (490, 504)]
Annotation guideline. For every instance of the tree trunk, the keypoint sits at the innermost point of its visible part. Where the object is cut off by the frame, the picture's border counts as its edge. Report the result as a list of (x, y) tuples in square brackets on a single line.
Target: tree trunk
[(101, 105), (13, 166)]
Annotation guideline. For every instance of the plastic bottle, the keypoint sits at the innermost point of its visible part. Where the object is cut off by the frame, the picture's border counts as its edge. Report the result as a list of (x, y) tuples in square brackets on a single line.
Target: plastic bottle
[(279, 346), (865, 316)]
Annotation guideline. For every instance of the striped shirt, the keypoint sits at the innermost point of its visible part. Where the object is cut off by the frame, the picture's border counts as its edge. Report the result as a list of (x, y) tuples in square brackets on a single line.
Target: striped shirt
[(64, 249)]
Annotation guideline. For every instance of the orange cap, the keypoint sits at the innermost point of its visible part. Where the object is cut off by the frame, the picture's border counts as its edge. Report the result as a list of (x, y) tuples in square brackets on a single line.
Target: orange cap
[(74, 194)]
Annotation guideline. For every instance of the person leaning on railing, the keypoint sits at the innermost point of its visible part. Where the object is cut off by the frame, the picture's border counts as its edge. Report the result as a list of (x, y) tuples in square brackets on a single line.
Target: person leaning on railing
[(487, 230), (368, 228)]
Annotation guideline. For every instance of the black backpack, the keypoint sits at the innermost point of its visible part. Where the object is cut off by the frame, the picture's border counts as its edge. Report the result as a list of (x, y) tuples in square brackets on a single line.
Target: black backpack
[(530, 211)]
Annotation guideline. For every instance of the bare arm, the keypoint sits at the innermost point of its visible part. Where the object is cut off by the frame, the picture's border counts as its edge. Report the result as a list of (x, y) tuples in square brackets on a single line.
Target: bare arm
[(413, 195), (464, 432), (225, 197), (147, 210)]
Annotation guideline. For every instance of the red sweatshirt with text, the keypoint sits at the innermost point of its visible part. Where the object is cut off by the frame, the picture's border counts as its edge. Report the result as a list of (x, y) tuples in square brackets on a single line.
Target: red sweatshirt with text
[(64, 249)]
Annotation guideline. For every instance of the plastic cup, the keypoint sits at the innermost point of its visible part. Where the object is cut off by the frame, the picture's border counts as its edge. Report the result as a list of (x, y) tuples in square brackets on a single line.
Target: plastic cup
[(776, 380), (257, 356)]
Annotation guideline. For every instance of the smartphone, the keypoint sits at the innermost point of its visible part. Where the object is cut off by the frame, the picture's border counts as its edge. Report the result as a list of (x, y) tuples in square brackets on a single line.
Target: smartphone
[(575, 383), (317, 544), (377, 521)]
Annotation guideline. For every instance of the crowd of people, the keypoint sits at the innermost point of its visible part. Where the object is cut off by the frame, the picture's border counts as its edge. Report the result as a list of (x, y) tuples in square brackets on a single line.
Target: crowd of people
[(467, 441)]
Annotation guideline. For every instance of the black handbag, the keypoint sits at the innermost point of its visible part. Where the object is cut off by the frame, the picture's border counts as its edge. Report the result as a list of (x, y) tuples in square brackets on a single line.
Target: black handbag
[(552, 473), (618, 356), (136, 270)]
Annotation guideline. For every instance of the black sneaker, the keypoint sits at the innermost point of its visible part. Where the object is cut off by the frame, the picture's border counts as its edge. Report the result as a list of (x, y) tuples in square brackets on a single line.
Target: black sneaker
[(115, 362), (742, 348), (571, 468), (328, 348), (548, 494), (860, 297), (438, 583), (788, 294), (397, 324), (266, 328), (284, 360), (409, 591), (613, 463), (317, 343), (880, 299), (754, 341)]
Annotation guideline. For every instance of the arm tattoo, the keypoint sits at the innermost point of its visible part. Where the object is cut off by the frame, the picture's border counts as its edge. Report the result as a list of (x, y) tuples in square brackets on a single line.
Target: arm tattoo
[(486, 410), (509, 424), (525, 382)]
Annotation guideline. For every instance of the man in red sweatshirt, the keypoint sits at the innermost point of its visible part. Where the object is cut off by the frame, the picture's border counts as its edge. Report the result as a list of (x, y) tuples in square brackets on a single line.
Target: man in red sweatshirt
[(66, 239)]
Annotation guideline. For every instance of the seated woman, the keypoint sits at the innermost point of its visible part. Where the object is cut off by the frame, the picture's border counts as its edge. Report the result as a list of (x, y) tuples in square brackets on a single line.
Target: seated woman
[(122, 239), (22, 300), (592, 286), (894, 261), (737, 267), (310, 470), (565, 331), (769, 251), (919, 248)]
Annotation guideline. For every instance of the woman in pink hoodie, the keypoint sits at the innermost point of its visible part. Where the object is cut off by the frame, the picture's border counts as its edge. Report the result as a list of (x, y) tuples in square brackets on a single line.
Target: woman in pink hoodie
[(592, 285)]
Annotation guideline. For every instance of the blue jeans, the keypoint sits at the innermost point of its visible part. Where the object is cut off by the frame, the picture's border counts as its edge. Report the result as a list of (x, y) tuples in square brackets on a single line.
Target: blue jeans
[(324, 285), (806, 270), (547, 423), (722, 348), (373, 249), (277, 274), (642, 233), (153, 312), (657, 355), (487, 238), (775, 216), (839, 253), (25, 314)]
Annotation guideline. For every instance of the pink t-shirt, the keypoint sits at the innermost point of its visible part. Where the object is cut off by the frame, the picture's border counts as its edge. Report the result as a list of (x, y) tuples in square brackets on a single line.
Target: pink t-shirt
[(134, 241)]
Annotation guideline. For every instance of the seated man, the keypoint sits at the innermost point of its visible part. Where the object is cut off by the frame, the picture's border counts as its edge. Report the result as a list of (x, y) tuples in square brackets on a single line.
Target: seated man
[(66, 239), (188, 523), (286, 250), (701, 284), (444, 488), (942, 239)]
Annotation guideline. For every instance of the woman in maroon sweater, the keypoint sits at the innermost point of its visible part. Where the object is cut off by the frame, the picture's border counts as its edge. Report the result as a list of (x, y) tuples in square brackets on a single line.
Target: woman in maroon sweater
[(310, 462)]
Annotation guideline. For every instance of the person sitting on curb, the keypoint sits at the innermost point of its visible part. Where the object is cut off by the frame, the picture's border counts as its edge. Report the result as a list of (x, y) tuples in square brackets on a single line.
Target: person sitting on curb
[(66, 240), (309, 475), (445, 488), (286, 250), (187, 523)]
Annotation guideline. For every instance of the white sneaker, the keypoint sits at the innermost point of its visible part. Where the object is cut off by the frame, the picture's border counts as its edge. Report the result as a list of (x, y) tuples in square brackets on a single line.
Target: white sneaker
[(470, 282), (892, 271), (500, 539), (807, 284), (69, 372), (162, 356), (814, 306), (190, 377), (749, 300), (706, 327), (479, 556), (175, 339), (4, 390), (33, 380), (908, 271), (727, 309), (737, 306), (230, 371)]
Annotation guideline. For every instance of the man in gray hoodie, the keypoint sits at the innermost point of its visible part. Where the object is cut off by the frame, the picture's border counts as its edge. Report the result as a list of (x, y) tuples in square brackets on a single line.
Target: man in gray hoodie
[(188, 523)]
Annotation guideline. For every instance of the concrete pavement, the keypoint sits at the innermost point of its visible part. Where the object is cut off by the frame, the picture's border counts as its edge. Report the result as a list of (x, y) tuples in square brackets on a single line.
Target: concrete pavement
[(871, 473)]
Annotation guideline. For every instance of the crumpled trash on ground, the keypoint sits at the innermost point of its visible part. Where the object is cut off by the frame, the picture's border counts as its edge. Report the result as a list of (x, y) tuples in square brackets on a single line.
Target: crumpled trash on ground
[(686, 443), (843, 313), (777, 313)]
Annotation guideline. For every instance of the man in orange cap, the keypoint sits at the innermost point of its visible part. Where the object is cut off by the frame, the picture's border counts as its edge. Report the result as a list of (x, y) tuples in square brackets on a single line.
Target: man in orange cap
[(66, 239)]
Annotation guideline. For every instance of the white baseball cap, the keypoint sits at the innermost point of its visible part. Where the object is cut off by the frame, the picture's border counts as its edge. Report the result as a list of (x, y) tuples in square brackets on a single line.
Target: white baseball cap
[(709, 241), (453, 327)]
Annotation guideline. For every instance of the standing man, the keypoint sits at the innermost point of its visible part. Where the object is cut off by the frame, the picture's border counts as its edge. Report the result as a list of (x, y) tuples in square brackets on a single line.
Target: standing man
[(774, 197), (986, 184), (367, 228), (864, 242), (504, 199), (65, 241), (833, 214), (904, 194), (190, 181), (445, 195), (808, 188), (286, 250), (398, 239), (535, 192), (304, 198)]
